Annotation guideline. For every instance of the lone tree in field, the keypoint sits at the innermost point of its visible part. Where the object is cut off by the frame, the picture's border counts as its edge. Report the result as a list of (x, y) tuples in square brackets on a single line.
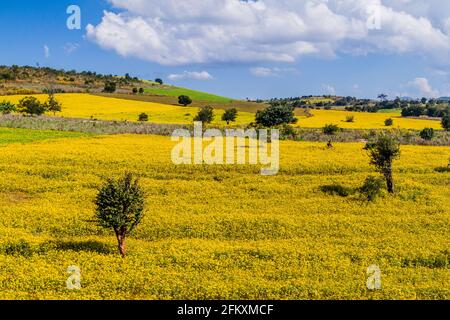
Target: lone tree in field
[(52, 104), (389, 122), (230, 115), (30, 106), (120, 206), (275, 115), (446, 122), (205, 115), (184, 100), (382, 152), (110, 87)]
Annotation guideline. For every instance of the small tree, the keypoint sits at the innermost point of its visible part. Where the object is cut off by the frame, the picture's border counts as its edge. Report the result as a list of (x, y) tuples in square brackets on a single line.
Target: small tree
[(135, 90), (350, 119), (330, 129), (52, 104), (388, 122), (110, 87), (159, 81), (30, 106), (141, 90), (120, 206), (427, 134), (205, 115), (276, 115), (230, 115), (446, 122), (7, 107), (184, 100), (382, 152), (143, 117)]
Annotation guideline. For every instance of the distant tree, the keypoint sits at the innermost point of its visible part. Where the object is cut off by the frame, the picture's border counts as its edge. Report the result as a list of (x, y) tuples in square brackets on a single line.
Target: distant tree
[(205, 115), (30, 106), (446, 122), (135, 90), (120, 205), (110, 87), (424, 100), (143, 117), (389, 122), (330, 129), (159, 81), (7, 107), (52, 104), (427, 134), (275, 115), (184, 100), (382, 152), (382, 97), (141, 90), (350, 119), (230, 115)]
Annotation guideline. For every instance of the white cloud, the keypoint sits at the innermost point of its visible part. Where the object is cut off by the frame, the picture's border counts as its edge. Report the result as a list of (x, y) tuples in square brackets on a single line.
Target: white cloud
[(70, 47), (329, 89), (46, 51), (264, 72), (422, 88), (202, 76), (174, 32)]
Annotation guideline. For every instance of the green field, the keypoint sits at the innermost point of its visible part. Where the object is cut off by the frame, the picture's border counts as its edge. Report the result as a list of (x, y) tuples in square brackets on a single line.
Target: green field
[(8, 136), (193, 94)]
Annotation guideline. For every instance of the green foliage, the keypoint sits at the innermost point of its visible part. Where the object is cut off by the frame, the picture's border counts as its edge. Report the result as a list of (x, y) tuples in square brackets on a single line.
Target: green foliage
[(446, 122), (383, 150), (143, 117), (141, 90), (120, 206), (205, 115), (110, 87), (389, 122), (350, 119), (7, 107), (31, 106), (336, 189), (230, 115), (159, 81), (427, 134), (135, 90), (52, 104), (184, 100), (330, 129), (275, 115), (372, 188)]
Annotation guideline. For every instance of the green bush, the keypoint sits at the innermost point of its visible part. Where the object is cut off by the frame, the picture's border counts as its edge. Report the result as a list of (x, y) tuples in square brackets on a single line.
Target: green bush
[(330, 129), (427, 134), (275, 115), (389, 122), (372, 188), (184, 100), (143, 117), (7, 107), (350, 119), (446, 122), (31, 106)]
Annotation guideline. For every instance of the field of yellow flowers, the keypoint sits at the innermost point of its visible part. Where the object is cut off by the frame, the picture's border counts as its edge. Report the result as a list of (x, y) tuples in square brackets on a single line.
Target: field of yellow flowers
[(221, 232), (105, 108)]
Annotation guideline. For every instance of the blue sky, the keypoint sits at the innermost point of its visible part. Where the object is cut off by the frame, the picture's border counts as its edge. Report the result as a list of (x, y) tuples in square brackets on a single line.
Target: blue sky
[(257, 49)]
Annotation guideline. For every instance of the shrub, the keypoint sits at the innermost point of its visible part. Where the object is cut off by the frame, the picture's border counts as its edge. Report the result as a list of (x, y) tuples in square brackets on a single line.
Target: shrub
[(141, 90), (110, 87), (159, 81), (446, 122), (30, 106), (52, 104), (205, 115), (336, 189), (7, 107), (382, 152), (276, 115), (330, 129), (135, 90), (389, 122), (350, 119), (120, 206), (427, 134), (143, 117), (184, 100), (372, 188), (230, 115)]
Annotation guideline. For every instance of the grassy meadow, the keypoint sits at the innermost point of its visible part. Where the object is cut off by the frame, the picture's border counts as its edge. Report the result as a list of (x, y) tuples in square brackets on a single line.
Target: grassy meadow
[(221, 232), (172, 91)]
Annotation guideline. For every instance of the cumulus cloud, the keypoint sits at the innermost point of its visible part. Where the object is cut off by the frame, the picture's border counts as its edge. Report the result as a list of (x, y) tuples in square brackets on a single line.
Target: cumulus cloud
[(174, 32), (202, 76), (70, 47), (422, 88)]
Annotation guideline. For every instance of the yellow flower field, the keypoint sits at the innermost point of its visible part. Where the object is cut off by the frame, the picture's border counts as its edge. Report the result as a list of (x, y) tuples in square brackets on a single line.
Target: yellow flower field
[(364, 120), (97, 107), (222, 232), (102, 108)]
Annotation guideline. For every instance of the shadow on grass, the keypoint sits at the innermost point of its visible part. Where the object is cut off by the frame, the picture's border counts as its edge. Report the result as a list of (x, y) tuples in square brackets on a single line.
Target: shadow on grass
[(78, 246)]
